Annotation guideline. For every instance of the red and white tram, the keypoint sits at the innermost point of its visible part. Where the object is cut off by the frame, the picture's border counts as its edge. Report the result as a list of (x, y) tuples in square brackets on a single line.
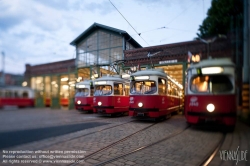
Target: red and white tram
[(210, 93), (111, 95), (153, 94), (84, 96), (16, 96)]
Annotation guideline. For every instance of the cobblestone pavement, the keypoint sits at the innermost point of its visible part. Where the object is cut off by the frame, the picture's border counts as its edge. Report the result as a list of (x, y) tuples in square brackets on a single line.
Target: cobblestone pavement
[(152, 134), (189, 147), (192, 147)]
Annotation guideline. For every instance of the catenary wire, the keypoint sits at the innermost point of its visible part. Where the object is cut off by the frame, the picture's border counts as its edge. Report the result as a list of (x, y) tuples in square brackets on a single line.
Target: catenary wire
[(139, 34)]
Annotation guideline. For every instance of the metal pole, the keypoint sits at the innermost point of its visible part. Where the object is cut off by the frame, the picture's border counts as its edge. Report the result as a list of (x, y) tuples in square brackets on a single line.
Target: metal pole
[(246, 43), (208, 50), (3, 74), (245, 114)]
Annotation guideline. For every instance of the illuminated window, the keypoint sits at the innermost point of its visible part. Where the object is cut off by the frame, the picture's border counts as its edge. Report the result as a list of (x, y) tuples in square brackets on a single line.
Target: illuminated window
[(118, 89), (211, 84), (162, 86), (103, 90), (82, 92), (143, 87)]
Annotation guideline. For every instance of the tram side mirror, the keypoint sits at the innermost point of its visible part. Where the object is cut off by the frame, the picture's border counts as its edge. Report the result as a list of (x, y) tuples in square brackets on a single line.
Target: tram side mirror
[(196, 71), (132, 78), (199, 71), (91, 85)]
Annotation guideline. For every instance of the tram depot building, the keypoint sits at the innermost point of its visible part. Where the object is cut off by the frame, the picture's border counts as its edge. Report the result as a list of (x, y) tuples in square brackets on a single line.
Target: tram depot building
[(98, 47)]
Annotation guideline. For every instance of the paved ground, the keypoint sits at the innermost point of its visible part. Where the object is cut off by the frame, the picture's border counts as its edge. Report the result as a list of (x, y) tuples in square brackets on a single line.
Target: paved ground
[(67, 137)]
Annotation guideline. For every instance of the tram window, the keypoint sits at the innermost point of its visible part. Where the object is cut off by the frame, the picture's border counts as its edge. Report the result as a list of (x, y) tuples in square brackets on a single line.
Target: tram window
[(126, 89), (97, 91), (118, 89), (79, 92), (161, 86), (221, 84), (214, 84), (1, 93), (200, 84), (102, 90), (85, 91), (143, 87), (136, 87), (82, 92), (16, 94), (169, 88), (8, 94), (25, 94), (151, 87), (92, 92)]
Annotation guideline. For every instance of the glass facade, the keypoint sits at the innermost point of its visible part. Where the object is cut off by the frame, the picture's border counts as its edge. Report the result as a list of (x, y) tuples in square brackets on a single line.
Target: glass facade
[(54, 88), (94, 55), (37, 83), (129, 46), (83, 73), (100, 48)]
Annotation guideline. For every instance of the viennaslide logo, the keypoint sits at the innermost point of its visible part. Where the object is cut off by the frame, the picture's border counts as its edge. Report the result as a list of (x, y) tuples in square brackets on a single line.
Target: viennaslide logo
[(233, 155)]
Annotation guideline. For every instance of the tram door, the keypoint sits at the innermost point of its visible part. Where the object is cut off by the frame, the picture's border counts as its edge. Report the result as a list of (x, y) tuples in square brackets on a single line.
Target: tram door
[(47, 95), (38, 85), (64, 91)]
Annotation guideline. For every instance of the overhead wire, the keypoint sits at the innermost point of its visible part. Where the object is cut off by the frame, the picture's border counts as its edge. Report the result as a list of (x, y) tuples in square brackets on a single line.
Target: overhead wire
[(150, 30), (181, 13), (139, 34), (165, 27), (175, 19)]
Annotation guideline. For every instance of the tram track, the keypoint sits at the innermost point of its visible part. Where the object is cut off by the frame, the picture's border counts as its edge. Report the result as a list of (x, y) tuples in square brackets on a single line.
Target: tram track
[(131, 151), (113, 144), (208, 159), (94, 132)]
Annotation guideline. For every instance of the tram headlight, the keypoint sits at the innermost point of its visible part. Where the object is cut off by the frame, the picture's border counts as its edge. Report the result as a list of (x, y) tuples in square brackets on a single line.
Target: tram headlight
[(99, 103), (210, 107), (140, 104), (79, 102)]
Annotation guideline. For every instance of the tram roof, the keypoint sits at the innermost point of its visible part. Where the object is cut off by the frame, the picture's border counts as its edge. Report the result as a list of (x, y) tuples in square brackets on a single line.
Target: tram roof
[(213, 62), (13, 87), (112, 78), (85, 82), (157, 72)]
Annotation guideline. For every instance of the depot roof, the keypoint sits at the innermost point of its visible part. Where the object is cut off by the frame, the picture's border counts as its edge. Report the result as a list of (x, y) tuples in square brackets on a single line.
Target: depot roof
[(97, 26)]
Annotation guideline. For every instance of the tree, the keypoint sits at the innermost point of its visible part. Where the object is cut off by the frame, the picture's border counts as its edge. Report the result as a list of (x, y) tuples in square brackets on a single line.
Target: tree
[(221, 17)]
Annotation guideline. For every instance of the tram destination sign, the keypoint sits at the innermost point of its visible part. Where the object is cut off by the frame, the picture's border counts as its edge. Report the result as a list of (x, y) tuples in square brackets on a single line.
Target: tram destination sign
[(168, 61)]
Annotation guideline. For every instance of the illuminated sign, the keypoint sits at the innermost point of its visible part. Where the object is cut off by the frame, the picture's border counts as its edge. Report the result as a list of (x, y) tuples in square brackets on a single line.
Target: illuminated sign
[(142, 78), (195, 58), (81, 86), (100, 82), (168, 61), (211, 70)]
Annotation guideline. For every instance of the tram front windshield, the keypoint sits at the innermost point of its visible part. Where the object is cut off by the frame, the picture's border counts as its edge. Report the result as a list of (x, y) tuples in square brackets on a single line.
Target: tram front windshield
[(103, 90), (211, 84), (143, 87), (82, 92)]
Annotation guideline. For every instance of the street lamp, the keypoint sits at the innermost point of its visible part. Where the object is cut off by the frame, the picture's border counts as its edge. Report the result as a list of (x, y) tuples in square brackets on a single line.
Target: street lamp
[(208, 41)]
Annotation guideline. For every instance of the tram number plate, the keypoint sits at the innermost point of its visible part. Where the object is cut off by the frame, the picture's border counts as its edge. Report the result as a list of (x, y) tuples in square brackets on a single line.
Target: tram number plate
[(140, 114), (210, 119)]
